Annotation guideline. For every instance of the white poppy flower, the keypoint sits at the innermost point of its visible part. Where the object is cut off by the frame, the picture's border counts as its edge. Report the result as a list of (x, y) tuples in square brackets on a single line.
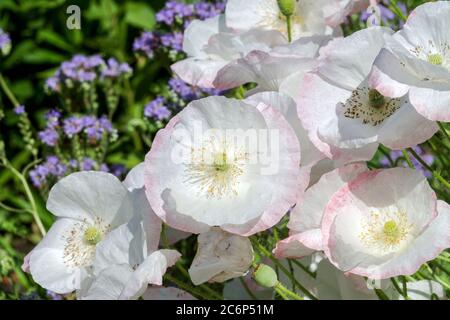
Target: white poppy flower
[(306, 217), (269, 69), (344, 116), (88, 205), (124, 267), (308, 18), (210, 46), (220, 256), (223, 162), (385, 223), (417, 61)]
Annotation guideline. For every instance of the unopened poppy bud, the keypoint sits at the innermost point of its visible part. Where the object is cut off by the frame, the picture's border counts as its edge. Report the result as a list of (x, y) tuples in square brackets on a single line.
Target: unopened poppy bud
[(265, 276), (287, 7)]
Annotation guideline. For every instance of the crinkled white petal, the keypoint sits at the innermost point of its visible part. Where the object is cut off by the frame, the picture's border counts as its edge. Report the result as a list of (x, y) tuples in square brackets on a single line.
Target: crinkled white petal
[(220, 256), (90, 195)]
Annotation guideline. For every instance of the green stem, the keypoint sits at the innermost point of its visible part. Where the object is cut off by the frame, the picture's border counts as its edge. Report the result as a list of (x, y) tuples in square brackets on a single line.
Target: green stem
[(281, 293), (204, 287), (11, 209), (287, 292), (425, 165), (405, 288), (303, 268), (408, 159), (397, 287), (187, 287), (393, 6), (444, 132), (387, 155), (289, 28), (8, 92), (30, 197), (381, 295)]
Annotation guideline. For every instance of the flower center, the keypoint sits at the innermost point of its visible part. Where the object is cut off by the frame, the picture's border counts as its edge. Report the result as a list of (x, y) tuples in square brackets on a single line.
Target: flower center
[(370, 106), (376, 99), (385, 231), (390, 229), (81, 240), (92, 235), (435, 59), (220, 162), (215, 173)]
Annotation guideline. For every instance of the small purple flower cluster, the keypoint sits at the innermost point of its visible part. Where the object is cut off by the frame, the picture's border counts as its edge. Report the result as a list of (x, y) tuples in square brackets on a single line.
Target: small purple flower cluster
[(147, 43), (176, 17), (83, 69), (187, 92), (181, 93), (386, 15), (114, 69), (396, 154), (181, 13), (156, 109), (53, 168), (5, 42), (94, 128)]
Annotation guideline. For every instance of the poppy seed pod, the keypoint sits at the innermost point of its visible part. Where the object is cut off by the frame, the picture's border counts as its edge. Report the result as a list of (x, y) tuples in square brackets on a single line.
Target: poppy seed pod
[(287, 7), (265, 276)]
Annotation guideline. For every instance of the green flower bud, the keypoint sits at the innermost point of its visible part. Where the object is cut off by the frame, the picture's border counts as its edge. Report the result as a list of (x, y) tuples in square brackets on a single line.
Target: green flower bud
[(265, 276), (287, 7)]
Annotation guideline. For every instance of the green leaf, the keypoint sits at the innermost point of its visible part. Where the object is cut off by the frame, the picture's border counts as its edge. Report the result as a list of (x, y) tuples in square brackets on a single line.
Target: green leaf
[(54, 39), (26, 5), (38, 56), (18, 52), (23, 89), (140, 15), (104, 9)]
